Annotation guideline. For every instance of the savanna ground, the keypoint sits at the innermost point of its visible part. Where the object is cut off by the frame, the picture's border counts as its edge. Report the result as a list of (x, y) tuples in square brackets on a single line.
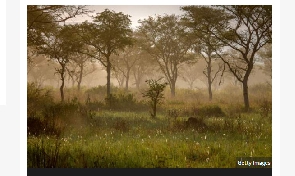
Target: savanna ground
[(84, 132)]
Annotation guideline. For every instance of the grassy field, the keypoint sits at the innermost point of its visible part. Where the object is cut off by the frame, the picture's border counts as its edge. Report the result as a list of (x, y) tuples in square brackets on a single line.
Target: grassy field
[(72, 135)]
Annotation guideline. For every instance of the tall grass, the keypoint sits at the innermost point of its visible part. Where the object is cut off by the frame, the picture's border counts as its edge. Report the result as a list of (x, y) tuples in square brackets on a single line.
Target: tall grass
[(120, 138)]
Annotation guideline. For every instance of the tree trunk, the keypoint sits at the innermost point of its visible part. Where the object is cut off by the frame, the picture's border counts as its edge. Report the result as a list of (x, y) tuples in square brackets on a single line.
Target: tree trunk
[(127, 80), (245, 94), (62, 73), (209, 78), (245, 86), (137, 79), (154, 109), (108, 77), (172, 88), (137, 85), (80, 78), (210, 90)]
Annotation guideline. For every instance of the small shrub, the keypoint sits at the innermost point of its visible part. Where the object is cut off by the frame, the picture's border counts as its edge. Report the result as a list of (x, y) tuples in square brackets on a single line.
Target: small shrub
[(43, 154), (37, 99), (196, 123), (155, 94), (209, 111), (121, 125), (173, 113)]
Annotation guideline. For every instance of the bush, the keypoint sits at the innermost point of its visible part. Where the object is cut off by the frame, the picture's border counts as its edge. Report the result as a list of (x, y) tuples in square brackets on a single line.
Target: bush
[(124, 102), (37, 99), (209, 111)]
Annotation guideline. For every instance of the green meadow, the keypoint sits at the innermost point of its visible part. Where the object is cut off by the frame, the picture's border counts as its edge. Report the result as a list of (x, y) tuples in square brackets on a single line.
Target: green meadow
[(84, 132)]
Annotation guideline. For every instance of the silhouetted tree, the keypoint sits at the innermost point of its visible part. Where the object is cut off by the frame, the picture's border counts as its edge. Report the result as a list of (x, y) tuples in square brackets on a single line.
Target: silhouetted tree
[(168, 42), (155, 94), (59, 47), (248, 31), (203, 20), (106, 35), (124, 62)]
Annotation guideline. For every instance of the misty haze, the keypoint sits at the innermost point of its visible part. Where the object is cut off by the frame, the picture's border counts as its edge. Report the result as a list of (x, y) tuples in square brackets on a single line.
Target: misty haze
[(148, 87)]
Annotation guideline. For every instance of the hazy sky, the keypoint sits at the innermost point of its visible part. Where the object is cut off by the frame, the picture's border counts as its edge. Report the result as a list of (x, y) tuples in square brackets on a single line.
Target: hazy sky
[(135, 11)]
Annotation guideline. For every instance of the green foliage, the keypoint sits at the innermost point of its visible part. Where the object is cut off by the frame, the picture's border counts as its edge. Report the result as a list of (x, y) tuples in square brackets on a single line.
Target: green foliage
[(155, 94), (101, 91), (168, 41), (109, 33), (124, 102), (113, 28), (44, 154), (209, 111), (46, 117), (37, 99)]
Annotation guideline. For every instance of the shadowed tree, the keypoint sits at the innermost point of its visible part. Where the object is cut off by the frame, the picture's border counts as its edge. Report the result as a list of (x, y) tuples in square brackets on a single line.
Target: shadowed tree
[(168, 42), (81, 65), (143, 68), (106, 35), (248, 31), (203, 20), (155, 94), (124, 62), (42, 20), (190, 75), (59, 47)]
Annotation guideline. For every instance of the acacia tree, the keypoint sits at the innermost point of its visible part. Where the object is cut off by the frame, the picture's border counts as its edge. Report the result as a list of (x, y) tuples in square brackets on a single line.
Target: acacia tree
[(190, 75), (155, 94), (81, 65), (118, 74), (168, 42), (124, 62), (203, 20), (248, 31), (143, 68), (42, 21), (106, 35), (59, 47)]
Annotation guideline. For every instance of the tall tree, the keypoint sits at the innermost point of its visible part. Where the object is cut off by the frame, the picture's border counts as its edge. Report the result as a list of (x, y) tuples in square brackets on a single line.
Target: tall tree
[(59, 47), (248, 31), (168, 43), (81, 66), (42, 21), (203, 20), (125, 61), (189, 74), (107, 34), (143, 69)]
